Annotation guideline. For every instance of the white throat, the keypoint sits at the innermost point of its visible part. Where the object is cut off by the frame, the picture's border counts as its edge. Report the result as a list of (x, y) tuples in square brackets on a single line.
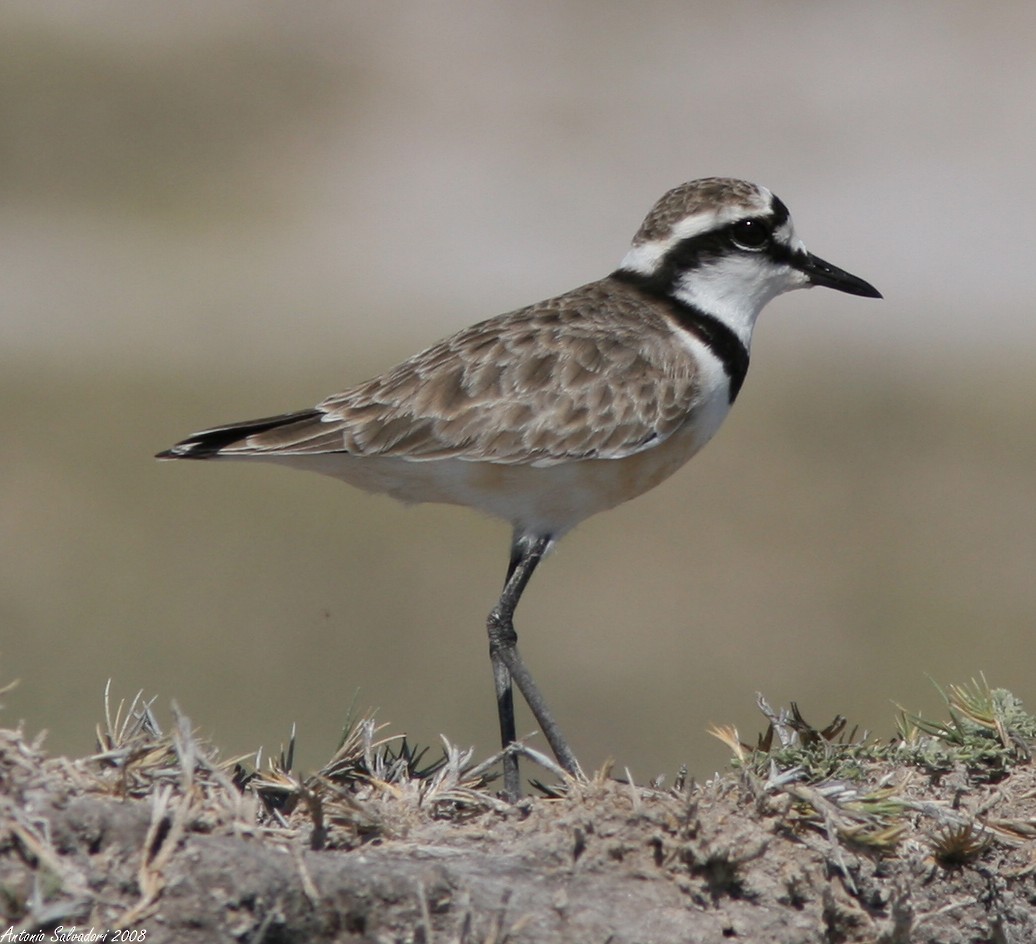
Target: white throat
[(736, 288)]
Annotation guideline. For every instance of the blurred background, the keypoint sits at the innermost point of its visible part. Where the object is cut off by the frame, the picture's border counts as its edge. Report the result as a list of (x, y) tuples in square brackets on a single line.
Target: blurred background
[(216, 211)]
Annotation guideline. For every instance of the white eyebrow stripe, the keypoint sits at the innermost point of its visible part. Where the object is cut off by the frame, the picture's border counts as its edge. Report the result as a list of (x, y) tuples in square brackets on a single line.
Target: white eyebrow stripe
[(644, 256)]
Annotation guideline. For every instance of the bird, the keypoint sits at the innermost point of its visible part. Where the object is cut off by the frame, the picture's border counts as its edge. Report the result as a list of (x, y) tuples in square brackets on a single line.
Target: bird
[(550, 413)]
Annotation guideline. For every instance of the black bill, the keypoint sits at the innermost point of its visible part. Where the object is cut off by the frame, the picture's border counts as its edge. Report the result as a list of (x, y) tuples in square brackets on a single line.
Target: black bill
[(823, 273)]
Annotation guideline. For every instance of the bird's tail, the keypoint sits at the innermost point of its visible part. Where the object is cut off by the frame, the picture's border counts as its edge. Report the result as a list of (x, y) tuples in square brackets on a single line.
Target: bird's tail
[(210, 443)]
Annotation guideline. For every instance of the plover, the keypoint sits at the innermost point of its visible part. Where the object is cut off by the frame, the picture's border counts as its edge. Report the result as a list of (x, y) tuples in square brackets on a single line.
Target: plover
[(546, 415)]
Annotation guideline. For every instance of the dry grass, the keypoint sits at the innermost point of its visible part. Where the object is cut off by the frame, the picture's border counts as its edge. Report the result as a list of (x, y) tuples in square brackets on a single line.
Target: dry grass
[(820, 835)]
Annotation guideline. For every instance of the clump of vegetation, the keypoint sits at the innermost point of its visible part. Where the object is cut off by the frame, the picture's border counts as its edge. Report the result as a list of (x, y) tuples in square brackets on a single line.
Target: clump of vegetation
[(842, 783), (988, 732)]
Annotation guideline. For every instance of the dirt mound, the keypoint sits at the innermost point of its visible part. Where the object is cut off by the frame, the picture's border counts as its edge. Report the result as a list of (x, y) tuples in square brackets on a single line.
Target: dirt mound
[(816, 837)]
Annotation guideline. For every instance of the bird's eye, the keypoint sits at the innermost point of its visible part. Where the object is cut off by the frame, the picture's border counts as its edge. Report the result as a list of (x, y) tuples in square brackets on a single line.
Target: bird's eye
[(750, 234)]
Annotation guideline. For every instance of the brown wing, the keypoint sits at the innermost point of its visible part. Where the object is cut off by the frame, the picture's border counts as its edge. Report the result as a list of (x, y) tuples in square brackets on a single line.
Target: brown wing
[(593, 373)]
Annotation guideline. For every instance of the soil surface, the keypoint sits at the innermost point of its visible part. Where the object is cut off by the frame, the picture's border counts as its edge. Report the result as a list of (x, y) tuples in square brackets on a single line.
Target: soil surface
[(154, 839)]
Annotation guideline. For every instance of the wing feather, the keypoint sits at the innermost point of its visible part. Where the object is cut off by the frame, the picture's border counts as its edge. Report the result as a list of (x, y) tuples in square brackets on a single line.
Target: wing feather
[(594, 373)]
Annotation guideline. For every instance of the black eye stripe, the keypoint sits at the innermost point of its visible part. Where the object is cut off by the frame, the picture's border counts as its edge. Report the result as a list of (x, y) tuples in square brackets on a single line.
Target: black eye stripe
[(694, 251)]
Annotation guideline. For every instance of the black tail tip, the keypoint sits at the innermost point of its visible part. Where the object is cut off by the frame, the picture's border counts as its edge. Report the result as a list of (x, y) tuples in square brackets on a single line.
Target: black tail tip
[(189, 449)]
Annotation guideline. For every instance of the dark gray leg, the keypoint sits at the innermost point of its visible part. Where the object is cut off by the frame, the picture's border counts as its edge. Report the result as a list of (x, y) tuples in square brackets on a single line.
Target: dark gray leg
[(526, 553)]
